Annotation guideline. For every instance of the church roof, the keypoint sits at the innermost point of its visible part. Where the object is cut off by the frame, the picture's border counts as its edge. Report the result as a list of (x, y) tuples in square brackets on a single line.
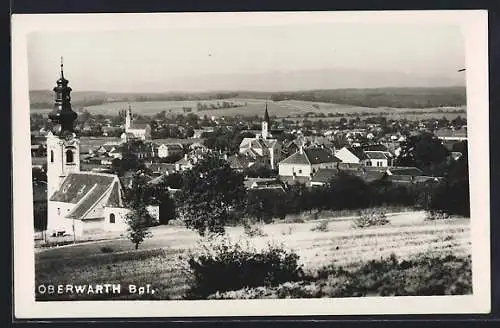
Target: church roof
[(77, 185), (85, 189), (138, 126), (114, 197)]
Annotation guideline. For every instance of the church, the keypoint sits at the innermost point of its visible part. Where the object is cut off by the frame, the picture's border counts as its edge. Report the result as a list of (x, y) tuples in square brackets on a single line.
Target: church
[(79, 202), (141, 131), (263, 145)]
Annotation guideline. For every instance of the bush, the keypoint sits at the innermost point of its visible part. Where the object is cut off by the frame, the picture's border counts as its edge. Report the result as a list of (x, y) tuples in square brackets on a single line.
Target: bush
[(321, 226), (436, 215), (390, 276), (224, 265), (107, 249), (370, 218), (253, 230)]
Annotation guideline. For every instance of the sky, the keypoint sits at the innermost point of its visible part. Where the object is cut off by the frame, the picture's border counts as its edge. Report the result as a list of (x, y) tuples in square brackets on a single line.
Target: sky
[(266, 58)]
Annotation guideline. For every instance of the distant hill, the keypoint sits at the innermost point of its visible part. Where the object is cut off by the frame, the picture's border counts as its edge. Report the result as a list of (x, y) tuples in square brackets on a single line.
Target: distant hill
[(45, 98), (407, 97)]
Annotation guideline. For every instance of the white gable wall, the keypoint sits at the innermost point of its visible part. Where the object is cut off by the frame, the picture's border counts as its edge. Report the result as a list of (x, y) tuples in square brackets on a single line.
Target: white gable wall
[(346, 156), (300, 170)]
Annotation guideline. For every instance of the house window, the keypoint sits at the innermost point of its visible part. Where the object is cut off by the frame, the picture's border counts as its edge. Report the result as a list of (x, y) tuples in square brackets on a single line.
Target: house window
[(58, 211), (112, 218), (52, 156), (69, 156), (300, 171), (368, 163)]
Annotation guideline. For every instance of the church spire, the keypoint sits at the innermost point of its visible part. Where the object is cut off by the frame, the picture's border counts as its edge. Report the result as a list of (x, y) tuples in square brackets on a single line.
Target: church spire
[(62, 115), (62, 68), (266, 115)]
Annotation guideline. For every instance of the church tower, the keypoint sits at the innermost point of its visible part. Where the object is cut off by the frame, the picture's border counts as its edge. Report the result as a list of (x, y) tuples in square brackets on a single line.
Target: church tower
[(265, 125), (128, 119), (63, 148)]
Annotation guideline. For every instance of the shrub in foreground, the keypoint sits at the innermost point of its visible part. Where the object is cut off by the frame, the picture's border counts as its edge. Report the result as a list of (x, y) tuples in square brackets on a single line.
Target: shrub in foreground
[(224, 265), (369, 218), (425, 276), (253, 230), (321, 226), (436, 215)]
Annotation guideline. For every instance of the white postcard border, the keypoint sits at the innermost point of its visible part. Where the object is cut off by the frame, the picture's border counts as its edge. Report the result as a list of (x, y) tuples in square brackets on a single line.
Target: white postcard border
[(474, 26)]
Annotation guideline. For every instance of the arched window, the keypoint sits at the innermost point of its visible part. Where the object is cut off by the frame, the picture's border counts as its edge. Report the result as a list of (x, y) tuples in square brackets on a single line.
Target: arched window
[(69, 156), (112, 218), (52, 156)]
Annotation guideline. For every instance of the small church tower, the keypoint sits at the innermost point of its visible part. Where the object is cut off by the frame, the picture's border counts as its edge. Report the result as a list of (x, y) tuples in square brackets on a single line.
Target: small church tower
[(63, 148), (265, 125), (128, 119)]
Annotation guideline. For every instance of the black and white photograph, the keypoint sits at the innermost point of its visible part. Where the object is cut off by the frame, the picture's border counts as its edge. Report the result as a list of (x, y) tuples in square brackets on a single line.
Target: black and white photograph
[(251, 164)]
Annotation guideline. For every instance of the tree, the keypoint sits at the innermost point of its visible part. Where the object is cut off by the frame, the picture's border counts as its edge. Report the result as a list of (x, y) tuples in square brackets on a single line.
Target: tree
[(173, 180), (138, 220), (425, 152), (211, 192), (265, 204), (349, 192), (258, 171)]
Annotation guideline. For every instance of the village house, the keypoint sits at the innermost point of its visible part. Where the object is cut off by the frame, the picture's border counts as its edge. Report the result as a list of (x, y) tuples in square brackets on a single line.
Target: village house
[(306, 161), (352, 155), (377, 158)]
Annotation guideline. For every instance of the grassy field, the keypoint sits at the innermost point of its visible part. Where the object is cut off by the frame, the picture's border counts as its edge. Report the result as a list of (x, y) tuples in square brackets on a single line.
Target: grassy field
[(160, 260), (252, 107)]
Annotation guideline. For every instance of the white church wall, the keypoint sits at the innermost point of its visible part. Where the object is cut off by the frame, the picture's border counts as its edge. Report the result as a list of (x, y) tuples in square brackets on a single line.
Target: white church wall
[(56, 221), (119, 214)]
